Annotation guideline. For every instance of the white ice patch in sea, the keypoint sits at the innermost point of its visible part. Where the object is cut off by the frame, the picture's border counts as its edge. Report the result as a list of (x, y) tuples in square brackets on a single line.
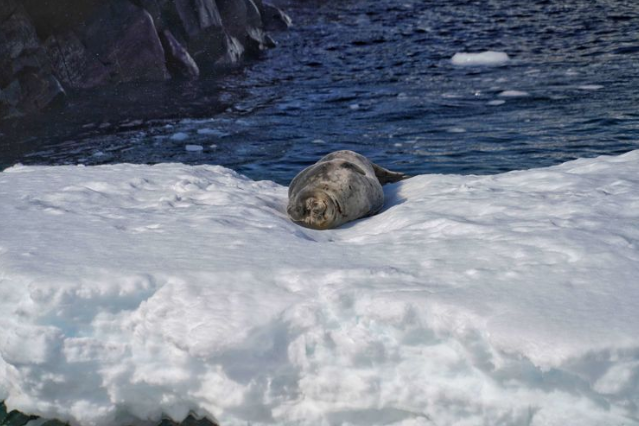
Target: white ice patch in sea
[(131, 291), (179, 136), (513, 94), (484, 58), (194, 148), (496, 102), (591, 87), (212, 132)]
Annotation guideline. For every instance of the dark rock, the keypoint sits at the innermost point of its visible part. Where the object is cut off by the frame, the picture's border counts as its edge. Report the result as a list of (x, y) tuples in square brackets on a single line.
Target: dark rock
[(7, 8), (198, 17), (15, 418), (54, 423), (73, 65), (11, 94), (196, 25), (274, 19), (3, 408), (46, 45), (243, 21), (26, 80), (154, 9), (178, 60), (233, 52), (123, 38), (39, 91), (56, 16), (189, 421)]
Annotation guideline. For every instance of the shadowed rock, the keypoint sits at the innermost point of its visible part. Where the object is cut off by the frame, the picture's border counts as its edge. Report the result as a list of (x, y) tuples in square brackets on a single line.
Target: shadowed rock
[(27, 83), (274, 19), (123, 38), (178, 60), (47, 45)]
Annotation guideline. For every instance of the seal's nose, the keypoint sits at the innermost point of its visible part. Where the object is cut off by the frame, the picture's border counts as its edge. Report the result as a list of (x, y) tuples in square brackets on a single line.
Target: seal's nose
[(318, 208)]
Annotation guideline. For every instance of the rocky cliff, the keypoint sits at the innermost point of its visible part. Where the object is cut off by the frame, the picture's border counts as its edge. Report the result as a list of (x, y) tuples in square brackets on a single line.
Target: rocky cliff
[(50, 46)]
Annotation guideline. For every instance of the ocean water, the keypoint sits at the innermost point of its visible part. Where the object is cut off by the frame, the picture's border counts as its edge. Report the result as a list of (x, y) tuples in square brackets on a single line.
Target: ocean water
[(377, 77)]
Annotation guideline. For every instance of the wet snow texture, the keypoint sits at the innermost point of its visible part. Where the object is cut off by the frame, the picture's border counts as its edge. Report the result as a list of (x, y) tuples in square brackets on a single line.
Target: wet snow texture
[(129, 291)]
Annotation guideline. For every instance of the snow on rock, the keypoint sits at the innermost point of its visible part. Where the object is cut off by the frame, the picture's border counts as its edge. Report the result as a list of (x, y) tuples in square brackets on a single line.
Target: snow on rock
[(132, 291), (480, 59)]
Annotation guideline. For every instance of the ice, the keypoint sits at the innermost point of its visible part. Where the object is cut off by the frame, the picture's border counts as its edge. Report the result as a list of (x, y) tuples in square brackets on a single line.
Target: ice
[(496, 102), (194, 148), (590, 87), (212, 132), (514, 94), (179, 136), (476, 59), (130, 292)]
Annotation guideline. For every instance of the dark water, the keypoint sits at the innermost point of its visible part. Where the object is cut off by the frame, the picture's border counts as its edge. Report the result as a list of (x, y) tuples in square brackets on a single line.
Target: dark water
[(376, 77)]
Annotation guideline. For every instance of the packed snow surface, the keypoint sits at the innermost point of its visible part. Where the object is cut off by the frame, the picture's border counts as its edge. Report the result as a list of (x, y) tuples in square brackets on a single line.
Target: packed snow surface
[(483, 58), (130, 292)]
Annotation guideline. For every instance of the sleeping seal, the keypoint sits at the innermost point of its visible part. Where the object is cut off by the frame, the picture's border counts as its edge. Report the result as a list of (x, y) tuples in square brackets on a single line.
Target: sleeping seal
[(340, 187)]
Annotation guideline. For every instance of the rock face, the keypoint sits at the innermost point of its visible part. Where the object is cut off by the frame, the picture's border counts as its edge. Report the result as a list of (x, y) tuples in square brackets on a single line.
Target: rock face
[(47, 46), (27, 83)]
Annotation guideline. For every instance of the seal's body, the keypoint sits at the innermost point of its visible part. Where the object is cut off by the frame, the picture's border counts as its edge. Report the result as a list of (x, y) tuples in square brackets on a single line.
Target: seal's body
[(340, 187)]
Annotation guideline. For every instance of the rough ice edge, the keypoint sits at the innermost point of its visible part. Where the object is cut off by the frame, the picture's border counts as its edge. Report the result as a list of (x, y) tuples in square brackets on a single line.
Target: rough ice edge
[(497, 299)]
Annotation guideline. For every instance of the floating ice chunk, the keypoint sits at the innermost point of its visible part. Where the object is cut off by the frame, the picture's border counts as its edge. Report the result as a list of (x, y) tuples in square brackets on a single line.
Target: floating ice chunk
[(456, 130), (354, 107), (194, 148), (590, 87), (496, 102), (179, 136), (212, 132), (484, 58), (513, 94)]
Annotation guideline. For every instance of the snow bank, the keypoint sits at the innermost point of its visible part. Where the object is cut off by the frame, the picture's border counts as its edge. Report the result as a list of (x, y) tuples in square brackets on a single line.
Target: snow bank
[(133, 291), (484, 58)]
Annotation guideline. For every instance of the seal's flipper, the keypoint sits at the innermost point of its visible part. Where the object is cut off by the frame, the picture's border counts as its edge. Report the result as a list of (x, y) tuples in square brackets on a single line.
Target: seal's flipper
[(385, 176)]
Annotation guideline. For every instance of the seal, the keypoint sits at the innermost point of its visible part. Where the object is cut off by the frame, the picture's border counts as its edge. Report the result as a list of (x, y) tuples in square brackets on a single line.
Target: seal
[(340, 187)]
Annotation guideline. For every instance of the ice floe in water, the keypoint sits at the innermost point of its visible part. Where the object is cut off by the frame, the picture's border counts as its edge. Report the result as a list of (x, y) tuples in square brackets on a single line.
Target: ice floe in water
[(212, 132), (194, 148), (514, 94), (591, 87), (484, 58), (179, 136), (129, 292)]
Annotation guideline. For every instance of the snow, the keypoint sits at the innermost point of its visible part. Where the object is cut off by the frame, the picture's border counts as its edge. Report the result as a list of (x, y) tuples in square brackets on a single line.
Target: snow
[(133, 291), (487, 58)]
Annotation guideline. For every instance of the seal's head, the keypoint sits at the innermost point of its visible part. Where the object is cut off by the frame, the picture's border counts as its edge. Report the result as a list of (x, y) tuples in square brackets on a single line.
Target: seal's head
[(314, 209)]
